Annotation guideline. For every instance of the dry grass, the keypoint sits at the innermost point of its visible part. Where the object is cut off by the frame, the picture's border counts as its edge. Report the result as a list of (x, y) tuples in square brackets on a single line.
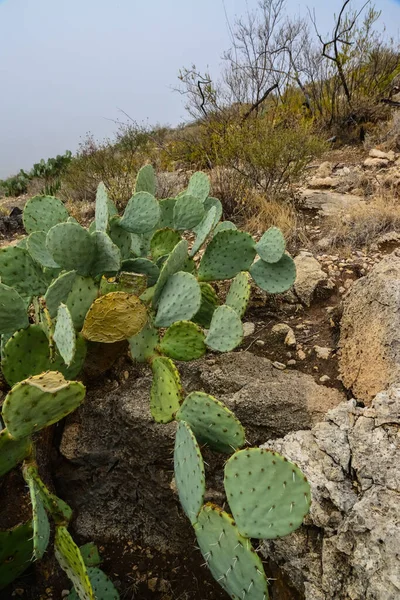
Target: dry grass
[(364, 224), (386, 135)]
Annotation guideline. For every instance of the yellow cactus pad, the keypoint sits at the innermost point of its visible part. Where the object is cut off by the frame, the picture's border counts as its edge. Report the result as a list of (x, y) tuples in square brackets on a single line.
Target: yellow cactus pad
[(114, 317)]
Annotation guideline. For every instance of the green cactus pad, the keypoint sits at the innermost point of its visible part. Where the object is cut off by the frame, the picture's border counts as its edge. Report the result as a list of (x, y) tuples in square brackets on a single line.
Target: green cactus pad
[(107, 256), (12, 451), (27, 353), (228, 253), (140, 244), (112, 209), (189, 472), (72, 247), (271, 246), (40, 522), (166, 391), (268, 495), (40, 401), (131, 283), (174, 263), (183, 341), (36, 246), (274, 278), (114, 317), (41, 213), (203, 230), (209, 302), (239, 293), (90, 554), (142, 213), (214, 203), (83, 293), (59, 510), (71, 561), (13, 313), (188, 212), (163, 242), (212, 422), (16, 547), (103, 588), (166, 213), (199, 186), (143, 345), (143, 266), (64, 335), (18, 270), (224, 226), (226, 330), (230, 556), (120, 237), (180, 299), (146, 180), (101, 209), (58, 291)]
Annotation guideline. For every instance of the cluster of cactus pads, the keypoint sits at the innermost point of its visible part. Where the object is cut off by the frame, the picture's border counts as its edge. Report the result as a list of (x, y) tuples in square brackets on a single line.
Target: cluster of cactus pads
[(135, 277)]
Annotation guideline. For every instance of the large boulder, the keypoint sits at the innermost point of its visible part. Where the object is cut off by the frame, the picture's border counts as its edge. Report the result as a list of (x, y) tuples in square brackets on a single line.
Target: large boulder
[(349, 547), (117, 470), (370, 331)]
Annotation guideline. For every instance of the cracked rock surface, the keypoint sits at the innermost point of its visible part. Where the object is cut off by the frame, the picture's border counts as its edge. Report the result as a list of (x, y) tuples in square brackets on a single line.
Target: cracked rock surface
[(349, 546)]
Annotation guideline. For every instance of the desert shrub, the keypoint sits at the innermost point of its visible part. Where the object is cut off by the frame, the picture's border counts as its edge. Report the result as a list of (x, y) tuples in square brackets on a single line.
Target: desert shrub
[(15, 185)]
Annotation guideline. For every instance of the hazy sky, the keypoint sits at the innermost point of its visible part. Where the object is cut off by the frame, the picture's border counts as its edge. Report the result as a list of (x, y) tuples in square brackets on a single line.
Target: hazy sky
[(67, 65)]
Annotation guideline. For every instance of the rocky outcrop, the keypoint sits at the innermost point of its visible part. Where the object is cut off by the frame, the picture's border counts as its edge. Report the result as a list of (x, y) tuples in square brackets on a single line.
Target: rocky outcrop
[(370, 331), (349, 547)]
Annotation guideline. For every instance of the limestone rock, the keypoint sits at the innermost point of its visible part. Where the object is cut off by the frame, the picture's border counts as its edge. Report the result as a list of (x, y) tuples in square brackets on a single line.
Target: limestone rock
[(370, 331), (349, 546), (376, 162), (330, 203), (375, 153), (323, 182), (309, 277)]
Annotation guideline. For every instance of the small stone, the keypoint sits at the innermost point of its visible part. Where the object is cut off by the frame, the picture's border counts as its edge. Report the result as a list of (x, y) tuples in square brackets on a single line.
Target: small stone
[(323, 353), (291, 362), (301, 355), (260, 343), (64, 593), (342, 290), (279, 365), (290, 339), (248, 329), (152, 584), (280, 330), (126, 375), (324, 378)]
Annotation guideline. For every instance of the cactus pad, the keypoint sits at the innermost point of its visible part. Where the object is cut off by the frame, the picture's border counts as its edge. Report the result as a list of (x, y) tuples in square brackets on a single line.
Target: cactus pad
[(12, 451), (59, 510), (71, 561), (143, 344), (18, 270), (64, 335), (214, 203), (90, 554), (163, 242), (268, 495), (41, 213), (142, 213), (83, 293), (40, 401), (209, 302), (180, 299), (274, 278), (203, 230), (13, 314), (188, 212), (166, 213), (239, 293), (212, 422), (228, 253), (58, 291), (16, 547), (189, 472), (199, 186), (226, 330), (224, 226), (103, 588), (143, 266), (72, 247), (166, 391), (146, 180), (36, 246), (27, 353), (183, 340), (114, 317), (272, 245), (40, 522), (132, 283), (120, 237), (101, 209), (229, 556), (174, 263), (107, 258)]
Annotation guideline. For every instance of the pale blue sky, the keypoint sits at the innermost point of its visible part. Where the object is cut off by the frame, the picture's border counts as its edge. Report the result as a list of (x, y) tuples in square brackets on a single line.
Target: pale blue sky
[(67, 65)]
